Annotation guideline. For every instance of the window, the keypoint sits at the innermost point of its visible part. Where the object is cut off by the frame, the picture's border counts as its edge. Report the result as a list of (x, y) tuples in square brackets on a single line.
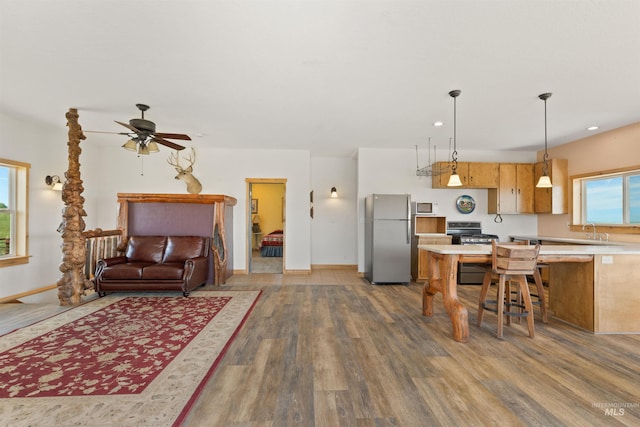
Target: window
[(13, 212), (608, 198)]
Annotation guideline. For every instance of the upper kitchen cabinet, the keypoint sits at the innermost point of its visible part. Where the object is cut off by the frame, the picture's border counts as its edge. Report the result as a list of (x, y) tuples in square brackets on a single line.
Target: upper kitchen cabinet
[(472, 174), (515, 193), (552, 200)]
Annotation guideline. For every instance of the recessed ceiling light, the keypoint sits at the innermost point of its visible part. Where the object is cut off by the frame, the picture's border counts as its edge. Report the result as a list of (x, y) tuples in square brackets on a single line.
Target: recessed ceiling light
[(593, 127), (438, 124)]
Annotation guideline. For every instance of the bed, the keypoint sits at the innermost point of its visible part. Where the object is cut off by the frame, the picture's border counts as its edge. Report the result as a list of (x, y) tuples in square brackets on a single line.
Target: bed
[(271, 245)]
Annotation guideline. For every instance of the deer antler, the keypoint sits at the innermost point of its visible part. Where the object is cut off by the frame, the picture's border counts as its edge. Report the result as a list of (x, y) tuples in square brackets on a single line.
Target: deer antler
[(192, 157), (174, 160)]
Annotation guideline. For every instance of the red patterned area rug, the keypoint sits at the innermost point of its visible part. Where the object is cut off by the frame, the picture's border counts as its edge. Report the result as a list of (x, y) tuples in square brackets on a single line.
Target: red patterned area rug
[(118, 361)]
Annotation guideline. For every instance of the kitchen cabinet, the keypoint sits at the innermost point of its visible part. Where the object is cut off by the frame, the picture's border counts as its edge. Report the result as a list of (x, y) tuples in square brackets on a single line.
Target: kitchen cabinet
[(428, 224), (552, 200), (514, 194), (472, 174), (419, 261)]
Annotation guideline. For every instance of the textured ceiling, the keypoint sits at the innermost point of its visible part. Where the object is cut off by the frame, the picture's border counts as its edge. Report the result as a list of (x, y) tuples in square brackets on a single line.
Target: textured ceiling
[(327, 76)]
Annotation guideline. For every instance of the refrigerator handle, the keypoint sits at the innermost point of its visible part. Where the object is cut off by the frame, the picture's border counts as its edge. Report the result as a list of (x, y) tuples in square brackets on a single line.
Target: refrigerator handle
[(408, 219)]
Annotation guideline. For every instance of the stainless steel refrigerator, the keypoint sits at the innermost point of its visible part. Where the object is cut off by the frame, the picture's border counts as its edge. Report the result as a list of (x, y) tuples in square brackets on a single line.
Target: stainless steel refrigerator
[(387, 238)]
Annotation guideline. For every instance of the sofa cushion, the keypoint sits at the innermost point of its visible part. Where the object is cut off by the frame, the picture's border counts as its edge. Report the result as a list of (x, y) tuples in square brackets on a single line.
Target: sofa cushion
[(132, 270), (168, 271), (146, 248), (181, 248)]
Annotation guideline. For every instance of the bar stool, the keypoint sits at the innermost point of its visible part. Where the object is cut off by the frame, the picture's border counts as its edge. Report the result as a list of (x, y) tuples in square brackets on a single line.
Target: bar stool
[(539, 298), (509, 263)]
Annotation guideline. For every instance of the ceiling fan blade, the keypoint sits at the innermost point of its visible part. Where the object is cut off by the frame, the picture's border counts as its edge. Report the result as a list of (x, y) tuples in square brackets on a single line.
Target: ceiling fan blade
[(128, 126), (113, 133), (166, 143), (173, 136)]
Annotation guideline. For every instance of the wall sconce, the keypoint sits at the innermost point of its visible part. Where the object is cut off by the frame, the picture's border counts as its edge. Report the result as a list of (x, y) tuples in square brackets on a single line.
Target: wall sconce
[(334, 192), (54, 182)]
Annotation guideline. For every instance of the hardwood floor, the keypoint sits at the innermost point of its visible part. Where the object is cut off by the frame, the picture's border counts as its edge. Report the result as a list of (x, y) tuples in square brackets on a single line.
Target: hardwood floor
[(355, 354)]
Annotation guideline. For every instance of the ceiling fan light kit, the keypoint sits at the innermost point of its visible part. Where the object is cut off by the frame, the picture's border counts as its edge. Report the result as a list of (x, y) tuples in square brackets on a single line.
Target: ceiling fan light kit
[(143, 137), (130, 145)]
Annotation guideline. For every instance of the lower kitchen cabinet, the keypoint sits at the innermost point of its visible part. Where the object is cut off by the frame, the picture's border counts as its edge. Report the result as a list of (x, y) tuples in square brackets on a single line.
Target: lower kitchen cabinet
[(419, 262)]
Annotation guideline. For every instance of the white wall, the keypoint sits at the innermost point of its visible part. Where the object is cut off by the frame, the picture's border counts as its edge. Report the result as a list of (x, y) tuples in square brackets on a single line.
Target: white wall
[(387, 171), (334, 224), (221, 171), (45, 149)]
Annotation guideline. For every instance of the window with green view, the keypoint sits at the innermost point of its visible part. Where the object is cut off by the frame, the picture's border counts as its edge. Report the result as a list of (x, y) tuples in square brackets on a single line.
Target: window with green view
[(5, 213)]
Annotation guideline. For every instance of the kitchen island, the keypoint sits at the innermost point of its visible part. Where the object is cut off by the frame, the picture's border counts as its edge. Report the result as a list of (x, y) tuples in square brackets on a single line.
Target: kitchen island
[(590, 286)]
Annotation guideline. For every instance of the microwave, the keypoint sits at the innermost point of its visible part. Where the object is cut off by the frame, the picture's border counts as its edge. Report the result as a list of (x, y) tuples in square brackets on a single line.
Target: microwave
[(425, 208)]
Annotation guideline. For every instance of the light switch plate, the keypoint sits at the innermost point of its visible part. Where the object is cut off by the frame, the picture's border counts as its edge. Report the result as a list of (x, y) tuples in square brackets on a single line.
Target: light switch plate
[(607, 259)]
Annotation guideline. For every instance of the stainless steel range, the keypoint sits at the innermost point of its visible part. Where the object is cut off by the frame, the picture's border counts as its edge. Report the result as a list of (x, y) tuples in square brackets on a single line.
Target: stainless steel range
[(469, 233)]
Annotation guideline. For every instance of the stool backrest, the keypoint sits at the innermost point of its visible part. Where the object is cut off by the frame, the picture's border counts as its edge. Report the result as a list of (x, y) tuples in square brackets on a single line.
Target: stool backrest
[(513, 258)]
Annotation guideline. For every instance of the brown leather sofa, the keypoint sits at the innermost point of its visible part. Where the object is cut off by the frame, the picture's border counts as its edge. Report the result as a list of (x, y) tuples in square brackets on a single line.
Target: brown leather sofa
[(156, 263)]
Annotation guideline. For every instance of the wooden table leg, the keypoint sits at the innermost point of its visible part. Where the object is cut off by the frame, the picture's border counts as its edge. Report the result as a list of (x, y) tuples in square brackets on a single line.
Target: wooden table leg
[(457, 312), (447, 266), (433, 285)]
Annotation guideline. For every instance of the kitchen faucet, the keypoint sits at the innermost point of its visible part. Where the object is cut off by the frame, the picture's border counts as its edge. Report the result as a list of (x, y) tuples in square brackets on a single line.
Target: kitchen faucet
[(595, 236)]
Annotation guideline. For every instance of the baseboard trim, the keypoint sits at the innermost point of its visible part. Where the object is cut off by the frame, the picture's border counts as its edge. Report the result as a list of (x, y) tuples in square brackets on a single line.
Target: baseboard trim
[(241, 272), (16, 297), (347, 267), (298, 272)]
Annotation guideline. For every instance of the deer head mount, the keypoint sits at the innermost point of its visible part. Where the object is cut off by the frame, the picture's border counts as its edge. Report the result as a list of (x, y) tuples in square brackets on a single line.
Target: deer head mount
[(193, 185)]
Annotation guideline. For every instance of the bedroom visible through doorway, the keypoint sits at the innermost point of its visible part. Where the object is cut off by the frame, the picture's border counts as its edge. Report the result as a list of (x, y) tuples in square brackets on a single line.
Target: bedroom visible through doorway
[(266, 228)]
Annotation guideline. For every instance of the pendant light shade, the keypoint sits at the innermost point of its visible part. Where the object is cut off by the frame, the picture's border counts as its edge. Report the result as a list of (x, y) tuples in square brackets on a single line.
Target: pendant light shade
[(454, 179), (545, 180)]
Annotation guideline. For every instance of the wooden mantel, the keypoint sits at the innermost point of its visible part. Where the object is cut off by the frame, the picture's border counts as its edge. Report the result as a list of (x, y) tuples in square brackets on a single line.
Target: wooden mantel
[(217, 228), (176, 198)]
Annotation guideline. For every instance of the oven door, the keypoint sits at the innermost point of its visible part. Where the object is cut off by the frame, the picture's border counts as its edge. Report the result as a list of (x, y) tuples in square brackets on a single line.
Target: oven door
[(471, 274)]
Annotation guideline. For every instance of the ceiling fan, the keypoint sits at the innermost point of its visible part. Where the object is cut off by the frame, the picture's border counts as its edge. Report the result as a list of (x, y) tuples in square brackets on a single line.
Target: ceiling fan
[(143, 136)]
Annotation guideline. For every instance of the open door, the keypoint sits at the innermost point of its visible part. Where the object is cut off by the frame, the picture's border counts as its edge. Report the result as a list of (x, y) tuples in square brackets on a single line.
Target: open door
[(266, 225)]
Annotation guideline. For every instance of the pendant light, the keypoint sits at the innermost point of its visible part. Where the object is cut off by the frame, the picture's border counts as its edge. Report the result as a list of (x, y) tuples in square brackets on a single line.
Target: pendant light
[(545, 180), (454, 179)]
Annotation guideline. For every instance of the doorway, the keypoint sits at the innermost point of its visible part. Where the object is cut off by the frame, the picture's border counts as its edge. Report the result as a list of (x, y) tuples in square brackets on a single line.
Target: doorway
[(266, 224)]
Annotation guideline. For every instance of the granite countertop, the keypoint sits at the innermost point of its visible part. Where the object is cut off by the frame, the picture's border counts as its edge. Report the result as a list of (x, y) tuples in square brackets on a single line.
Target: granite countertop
[(544, 249)]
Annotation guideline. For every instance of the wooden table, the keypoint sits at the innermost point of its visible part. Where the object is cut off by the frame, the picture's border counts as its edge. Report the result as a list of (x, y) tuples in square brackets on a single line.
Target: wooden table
[(443, 268)]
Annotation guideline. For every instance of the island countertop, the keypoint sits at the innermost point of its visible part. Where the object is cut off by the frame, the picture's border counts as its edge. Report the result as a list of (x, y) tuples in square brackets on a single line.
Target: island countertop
[(590, 286), (570, 241), (544, 249)]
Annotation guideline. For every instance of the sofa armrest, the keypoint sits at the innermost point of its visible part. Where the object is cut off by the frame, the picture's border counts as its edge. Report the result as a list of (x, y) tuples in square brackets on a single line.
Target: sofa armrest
[(101, 264), (196, 271), (108, 262)]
